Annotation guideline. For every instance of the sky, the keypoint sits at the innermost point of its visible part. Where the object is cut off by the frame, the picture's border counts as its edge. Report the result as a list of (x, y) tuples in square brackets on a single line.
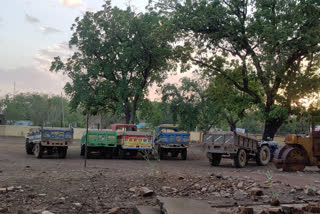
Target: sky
[(32, 32)]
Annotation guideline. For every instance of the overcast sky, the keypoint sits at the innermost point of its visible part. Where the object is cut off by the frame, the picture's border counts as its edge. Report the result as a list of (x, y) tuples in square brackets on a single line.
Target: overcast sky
[(32, 32)]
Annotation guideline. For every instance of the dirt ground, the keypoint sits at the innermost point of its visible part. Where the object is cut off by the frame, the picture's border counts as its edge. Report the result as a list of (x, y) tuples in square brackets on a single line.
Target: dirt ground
[(30, 185)]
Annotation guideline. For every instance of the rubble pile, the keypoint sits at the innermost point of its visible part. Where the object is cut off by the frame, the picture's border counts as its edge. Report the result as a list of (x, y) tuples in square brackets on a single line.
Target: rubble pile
[(101, 191)]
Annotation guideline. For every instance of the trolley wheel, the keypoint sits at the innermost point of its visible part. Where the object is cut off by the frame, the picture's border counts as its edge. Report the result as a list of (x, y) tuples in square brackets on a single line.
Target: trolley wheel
[(240, 160), (215, 159)]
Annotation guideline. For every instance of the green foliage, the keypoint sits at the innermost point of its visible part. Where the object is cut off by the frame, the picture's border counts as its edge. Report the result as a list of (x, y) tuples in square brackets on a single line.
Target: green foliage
[(41, 110), (228, 102), (189, 105), (119, 54), (154, 113), (269, 50)]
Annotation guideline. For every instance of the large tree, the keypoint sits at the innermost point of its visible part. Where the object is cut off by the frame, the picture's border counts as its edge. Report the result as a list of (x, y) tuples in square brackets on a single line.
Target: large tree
[(119, 54), (272, 43)]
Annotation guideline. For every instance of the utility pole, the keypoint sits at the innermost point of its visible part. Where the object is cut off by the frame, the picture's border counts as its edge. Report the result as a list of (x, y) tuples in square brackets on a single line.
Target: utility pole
[(86, 145)]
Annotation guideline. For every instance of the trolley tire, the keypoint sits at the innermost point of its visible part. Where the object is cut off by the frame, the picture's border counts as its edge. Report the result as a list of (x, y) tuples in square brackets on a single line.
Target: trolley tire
[(215, 159), (241, 158)]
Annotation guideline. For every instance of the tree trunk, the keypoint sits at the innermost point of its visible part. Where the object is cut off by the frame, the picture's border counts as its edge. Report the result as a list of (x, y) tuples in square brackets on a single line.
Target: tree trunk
[(127, 114), (135, 104), (133, 115), (233, 127), (271, 127), (134, 109), (232, 123), (127, 118)]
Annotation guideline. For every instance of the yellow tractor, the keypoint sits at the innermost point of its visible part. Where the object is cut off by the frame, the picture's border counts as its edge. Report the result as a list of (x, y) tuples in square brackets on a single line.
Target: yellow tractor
[(300, 151)]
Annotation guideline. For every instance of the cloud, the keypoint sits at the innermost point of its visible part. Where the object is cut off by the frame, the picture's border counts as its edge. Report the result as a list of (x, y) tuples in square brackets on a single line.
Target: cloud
[(31, 19), (37, 77), (55, 50), (28, 2), (72, 3), (45, 56), (30, 79), (49, 30)]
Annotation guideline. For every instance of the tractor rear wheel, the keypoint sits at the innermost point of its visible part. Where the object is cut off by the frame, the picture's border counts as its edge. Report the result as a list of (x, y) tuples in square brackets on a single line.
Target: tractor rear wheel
[(263, 155), (240, 160)]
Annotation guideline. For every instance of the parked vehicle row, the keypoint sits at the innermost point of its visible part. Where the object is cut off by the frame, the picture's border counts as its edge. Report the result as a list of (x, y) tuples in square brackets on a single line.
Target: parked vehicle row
[(123, 141)]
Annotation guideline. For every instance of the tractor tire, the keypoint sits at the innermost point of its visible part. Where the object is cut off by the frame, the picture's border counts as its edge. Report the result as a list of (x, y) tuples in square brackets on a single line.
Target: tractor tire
[(62, 152), (241, 158), (263, 155), (215, 159), (29, 147), (184, 154), (38, 150)]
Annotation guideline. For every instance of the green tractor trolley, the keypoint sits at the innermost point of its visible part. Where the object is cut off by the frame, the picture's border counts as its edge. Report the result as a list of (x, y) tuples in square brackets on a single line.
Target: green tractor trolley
[(103, 142)]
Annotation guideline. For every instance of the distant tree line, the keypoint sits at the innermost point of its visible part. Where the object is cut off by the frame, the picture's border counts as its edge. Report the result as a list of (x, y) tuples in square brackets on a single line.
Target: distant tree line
[(41, 110), (190, 105)]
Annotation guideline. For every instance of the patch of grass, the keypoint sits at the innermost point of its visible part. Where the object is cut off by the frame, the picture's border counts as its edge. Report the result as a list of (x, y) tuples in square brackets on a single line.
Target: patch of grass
[(274, 193)]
